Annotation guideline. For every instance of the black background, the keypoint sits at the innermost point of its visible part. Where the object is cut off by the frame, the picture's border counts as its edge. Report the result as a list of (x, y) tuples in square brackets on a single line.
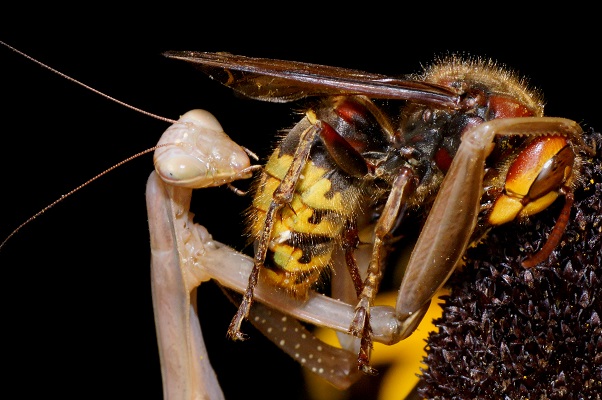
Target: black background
[(76, 306)]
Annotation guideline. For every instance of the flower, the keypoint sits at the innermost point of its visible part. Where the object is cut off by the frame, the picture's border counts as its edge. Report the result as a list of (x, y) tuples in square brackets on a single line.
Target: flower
[(508, 332)]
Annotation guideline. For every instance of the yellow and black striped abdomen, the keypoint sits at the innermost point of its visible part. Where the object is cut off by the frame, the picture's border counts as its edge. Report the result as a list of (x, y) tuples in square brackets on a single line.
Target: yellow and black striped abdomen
[(307, 230)]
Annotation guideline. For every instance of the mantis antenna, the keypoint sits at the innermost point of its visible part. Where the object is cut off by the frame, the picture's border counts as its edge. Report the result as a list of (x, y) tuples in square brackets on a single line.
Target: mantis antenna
[(63, 197), (139, 110)]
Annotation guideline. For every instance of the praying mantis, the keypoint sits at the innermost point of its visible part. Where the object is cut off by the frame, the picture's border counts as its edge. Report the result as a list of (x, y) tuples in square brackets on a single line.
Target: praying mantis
[(259, 351), (108, 242), (123, 335)]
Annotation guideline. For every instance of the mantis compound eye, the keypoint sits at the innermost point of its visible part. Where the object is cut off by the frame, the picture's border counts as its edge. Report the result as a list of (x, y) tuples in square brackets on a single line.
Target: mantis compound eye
[(534, 179)]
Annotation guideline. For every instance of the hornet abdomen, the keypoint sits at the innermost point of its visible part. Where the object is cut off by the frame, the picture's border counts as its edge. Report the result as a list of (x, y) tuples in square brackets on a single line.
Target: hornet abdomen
[(307, 230)]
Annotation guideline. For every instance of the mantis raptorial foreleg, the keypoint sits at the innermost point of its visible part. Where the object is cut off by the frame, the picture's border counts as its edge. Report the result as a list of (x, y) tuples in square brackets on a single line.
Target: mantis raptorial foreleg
[(181, 346), (177, 248)]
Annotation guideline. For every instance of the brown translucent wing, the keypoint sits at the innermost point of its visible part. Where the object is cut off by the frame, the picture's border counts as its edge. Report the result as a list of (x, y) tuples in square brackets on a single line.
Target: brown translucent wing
[(282, 81)]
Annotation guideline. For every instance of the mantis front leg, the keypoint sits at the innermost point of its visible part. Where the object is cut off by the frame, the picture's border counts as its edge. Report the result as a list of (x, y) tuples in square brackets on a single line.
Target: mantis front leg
[(181, 345), (177, 247)]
